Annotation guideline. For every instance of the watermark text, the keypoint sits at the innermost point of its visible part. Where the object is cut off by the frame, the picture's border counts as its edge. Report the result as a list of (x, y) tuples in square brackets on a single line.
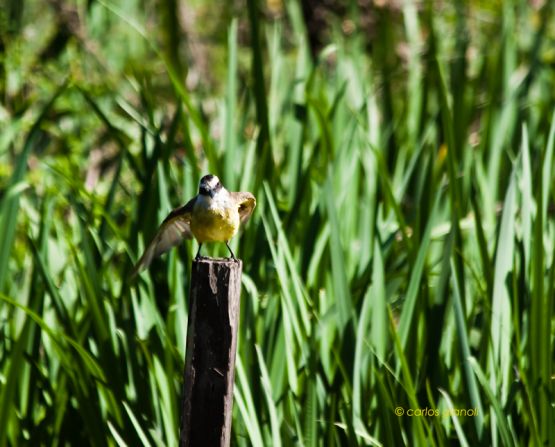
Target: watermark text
[(436, 412)]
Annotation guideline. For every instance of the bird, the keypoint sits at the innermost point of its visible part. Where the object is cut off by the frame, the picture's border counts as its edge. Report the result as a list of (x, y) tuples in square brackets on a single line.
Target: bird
[(213, 215)]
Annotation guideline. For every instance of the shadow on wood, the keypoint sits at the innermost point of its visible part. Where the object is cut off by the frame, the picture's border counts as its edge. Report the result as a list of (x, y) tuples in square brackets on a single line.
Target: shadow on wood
[(210, 358)]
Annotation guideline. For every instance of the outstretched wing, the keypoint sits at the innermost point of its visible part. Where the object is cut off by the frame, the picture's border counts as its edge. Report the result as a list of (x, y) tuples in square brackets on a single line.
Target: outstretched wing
[(246, 203), (173, 230)]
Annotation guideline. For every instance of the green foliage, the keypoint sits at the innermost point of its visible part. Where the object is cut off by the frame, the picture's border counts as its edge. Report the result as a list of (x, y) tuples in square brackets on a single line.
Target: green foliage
[(400, 257)]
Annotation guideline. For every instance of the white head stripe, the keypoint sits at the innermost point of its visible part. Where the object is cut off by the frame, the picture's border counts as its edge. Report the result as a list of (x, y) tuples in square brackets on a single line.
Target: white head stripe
[(213, 181)]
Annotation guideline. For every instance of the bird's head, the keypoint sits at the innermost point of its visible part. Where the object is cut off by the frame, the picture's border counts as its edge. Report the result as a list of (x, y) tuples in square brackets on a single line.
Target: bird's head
[(209, 185)]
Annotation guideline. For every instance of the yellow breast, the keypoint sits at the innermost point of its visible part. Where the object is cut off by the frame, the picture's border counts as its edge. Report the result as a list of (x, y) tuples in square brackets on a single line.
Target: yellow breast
[(214, 224)]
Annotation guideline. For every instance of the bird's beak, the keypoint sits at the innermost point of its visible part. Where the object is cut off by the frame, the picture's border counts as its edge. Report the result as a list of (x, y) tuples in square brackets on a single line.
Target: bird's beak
[(206, 191)]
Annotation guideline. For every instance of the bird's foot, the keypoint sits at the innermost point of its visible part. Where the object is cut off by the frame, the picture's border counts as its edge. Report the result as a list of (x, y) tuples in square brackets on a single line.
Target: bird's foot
[(231, 252), (198, 257)]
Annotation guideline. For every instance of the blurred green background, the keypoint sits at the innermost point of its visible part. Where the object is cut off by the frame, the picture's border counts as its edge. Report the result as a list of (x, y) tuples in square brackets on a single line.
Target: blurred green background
[(400, 256)]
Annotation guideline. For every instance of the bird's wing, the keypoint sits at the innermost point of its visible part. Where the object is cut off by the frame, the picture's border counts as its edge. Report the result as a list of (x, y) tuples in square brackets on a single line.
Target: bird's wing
[(173, 230), (246, 203)]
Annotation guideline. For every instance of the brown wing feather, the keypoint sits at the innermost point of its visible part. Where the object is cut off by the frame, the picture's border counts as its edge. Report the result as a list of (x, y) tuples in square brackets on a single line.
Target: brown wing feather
[(174, 228), (246, 202)]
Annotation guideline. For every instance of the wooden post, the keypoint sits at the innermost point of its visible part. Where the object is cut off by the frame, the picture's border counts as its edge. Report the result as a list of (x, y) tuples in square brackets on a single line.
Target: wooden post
[(210, 358)]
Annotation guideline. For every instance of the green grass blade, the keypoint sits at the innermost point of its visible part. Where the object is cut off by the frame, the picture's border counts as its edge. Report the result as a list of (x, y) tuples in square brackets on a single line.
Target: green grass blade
[(460, 432), (138, 426), (462, 332), (229, 140), (342, 295), (501, 305), (244, 400), (494, 401), (412, 308), (272, 409), (9, 205)]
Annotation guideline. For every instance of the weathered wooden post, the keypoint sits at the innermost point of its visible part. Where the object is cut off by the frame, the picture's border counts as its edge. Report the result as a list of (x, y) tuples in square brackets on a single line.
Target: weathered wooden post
[(211, 347)]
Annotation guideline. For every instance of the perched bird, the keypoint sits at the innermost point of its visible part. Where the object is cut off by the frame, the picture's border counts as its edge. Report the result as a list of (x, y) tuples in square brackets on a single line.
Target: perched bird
[(213, 215)]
